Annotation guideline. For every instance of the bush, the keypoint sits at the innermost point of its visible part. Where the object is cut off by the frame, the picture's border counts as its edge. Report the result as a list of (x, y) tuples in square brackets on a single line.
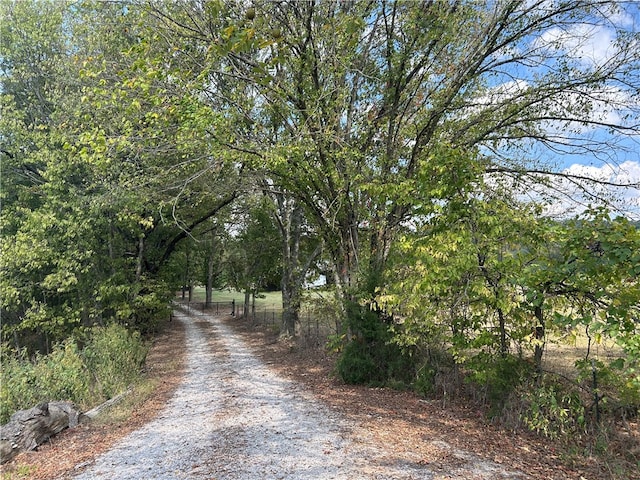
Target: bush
[(150, 306), (616, 386), (425, 382), (109, 363), (370, 357), (553, 411), (496, 377), (115, 356), (357, 366), (18, 386), (62, 375)]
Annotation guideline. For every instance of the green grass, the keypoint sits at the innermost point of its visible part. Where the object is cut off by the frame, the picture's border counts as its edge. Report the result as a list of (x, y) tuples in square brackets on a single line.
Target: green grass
[(272, 301), (269, 300), (20, 472), (318, 315)]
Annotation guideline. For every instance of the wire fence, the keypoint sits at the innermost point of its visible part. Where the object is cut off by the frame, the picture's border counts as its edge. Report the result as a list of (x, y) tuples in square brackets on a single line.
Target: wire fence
[(314, 328)]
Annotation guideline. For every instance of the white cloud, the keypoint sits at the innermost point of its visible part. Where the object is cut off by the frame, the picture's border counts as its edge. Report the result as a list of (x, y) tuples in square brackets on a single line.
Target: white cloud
[(504, 91), (590, 45), (618, 16), (575, 111), (586, 111), (575, 193)]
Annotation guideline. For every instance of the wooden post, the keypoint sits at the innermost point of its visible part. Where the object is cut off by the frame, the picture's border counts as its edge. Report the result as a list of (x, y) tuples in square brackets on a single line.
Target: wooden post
[(596, 397)]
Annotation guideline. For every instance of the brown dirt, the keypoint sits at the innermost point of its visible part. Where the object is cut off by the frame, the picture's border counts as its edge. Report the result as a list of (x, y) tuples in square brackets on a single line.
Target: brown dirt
[(401, 422), (409, 425)]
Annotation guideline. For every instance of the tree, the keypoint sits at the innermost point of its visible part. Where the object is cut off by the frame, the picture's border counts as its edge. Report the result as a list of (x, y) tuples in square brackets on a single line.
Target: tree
[(49, 233), (368, 94), (488, 282), (588, 279), (113, 168), (299, 251), (456, 277), (253, 254), (213, 267)]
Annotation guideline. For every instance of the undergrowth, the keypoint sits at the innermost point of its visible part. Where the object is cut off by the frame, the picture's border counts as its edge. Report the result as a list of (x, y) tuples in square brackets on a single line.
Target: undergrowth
[(582, 417), (111, 359)]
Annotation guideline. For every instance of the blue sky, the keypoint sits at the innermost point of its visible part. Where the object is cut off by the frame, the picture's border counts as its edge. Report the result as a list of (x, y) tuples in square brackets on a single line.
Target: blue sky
[(590, 45)]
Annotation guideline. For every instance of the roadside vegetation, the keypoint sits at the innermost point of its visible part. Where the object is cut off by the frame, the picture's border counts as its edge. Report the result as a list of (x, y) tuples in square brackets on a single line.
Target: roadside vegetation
[(87, 371)]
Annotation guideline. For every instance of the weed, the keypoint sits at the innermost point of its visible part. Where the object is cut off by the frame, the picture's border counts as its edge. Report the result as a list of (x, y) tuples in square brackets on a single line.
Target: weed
[(18, 473), (109, 363), (553, 411)]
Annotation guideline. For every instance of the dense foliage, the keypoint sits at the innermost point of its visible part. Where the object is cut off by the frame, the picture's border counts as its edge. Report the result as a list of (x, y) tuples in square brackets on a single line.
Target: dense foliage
[(109, 362)]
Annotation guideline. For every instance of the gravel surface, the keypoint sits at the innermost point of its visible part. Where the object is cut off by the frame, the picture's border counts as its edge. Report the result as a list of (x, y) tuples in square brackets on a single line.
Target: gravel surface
[(232, 418)]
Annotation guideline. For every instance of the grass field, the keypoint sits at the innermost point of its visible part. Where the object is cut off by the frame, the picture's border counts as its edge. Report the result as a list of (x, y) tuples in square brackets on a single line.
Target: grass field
[(270, 300), (318, 319), (560, 355)]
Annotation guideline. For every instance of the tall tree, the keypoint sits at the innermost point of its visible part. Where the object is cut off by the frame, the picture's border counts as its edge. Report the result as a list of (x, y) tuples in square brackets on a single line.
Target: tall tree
[(112, 164), (49, 234), (372, 93), (300, 249), (253, 255)]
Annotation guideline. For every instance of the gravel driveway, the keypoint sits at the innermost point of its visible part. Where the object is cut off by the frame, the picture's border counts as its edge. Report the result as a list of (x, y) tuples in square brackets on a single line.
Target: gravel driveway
[(233, 418)]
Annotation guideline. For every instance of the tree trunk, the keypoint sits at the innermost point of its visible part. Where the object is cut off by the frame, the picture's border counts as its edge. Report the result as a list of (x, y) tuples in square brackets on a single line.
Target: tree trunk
[(140, 259), (185, 278), (209, 282), (247, 300), (290, 224), (209, 287), (504, 348), (290, 219), (27, 429), (291, 300)]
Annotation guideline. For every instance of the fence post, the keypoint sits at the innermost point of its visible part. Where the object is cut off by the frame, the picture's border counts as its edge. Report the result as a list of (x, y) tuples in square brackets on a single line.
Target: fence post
[(596, 397)]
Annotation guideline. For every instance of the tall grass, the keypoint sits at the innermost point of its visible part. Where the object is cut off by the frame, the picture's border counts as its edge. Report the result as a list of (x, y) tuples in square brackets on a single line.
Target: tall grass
[(110, 361)]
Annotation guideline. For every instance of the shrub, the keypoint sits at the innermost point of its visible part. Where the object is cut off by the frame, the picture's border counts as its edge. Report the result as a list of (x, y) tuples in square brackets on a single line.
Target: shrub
[(150, 306), (62, 375), (115, 356), (371, 357), (553, 411), (425, 382), (18, 386), (109, 363), (356, 364), (496, 377)]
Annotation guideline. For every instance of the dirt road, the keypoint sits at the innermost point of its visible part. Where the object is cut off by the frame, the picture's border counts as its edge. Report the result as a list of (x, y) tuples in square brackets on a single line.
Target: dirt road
[(233, 418)]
